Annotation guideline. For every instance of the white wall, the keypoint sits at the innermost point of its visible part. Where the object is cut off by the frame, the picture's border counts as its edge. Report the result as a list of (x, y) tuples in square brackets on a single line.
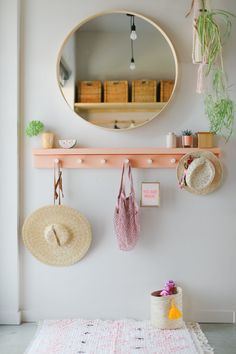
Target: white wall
[(190, 239), (106, 56), (9, 111)]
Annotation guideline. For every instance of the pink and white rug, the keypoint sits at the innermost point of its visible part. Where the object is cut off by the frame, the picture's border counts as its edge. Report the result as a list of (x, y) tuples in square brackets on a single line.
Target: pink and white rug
[(78, 336)]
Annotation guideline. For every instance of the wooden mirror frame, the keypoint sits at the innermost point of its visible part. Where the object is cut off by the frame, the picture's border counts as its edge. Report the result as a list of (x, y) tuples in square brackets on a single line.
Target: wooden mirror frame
[(59, 56)]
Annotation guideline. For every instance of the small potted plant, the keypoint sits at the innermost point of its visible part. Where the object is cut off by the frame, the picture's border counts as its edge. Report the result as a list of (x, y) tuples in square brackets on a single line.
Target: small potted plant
[(187, 138), (36, 127)]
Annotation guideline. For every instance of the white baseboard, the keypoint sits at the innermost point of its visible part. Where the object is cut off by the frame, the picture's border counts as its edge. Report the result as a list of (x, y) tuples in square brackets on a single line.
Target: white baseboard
[(10, 318), (211, 316)]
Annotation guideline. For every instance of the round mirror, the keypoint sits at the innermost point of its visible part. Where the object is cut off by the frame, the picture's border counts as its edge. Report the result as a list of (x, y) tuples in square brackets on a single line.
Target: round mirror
[(117, 70)]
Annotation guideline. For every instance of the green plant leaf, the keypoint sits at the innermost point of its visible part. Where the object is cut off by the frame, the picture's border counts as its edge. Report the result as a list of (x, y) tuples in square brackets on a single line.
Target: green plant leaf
[(187, 132), (214, 28), (34, 128), (220, 112)]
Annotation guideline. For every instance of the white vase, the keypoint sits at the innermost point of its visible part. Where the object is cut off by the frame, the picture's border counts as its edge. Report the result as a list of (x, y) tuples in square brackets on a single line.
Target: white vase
[(171, 140)]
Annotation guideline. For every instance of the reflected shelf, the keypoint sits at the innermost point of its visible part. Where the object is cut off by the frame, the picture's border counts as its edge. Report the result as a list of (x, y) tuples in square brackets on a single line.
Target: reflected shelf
[(120, 107)]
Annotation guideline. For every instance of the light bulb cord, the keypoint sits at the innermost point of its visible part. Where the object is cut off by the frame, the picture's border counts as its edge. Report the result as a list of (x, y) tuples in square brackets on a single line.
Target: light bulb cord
[(132, 21), (132, 27), (132, 49)]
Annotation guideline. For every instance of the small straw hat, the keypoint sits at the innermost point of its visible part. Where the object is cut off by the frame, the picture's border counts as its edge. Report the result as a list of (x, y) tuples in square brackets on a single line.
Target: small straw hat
[(57, 235), (203, 172)]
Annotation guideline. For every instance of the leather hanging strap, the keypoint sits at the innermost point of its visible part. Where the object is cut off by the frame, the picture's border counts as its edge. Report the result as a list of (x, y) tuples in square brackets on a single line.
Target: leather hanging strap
[(191, 9), (194, 6), (123, 179), (58, 189)]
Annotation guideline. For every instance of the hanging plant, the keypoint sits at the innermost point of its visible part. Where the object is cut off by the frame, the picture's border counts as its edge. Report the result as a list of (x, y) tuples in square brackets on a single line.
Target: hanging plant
[(211, 29), (219, 107)]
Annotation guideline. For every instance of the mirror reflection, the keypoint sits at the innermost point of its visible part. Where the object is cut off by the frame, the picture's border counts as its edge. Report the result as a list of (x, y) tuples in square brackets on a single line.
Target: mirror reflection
[(117, 70)]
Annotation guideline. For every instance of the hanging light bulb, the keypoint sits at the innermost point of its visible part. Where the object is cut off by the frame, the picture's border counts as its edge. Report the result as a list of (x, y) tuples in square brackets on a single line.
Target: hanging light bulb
[(132, 64), (133, 34)]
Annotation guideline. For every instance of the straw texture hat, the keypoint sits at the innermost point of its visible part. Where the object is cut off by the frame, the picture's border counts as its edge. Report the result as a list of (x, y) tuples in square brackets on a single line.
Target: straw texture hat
[(57, 235), (202, 170)]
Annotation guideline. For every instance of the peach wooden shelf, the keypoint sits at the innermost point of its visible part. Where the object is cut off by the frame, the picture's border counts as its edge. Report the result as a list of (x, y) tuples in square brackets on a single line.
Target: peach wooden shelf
[(120, 107), (112, 158)]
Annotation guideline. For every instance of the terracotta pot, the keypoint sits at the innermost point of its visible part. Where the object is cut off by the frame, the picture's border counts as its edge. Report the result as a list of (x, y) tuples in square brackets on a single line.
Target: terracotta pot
[(187, 141), (47, 140)]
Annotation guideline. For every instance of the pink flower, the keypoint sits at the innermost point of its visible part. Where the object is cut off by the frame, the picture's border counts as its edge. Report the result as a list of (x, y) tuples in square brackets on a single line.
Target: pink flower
[(170, 282), (164, 293), (169, 289)]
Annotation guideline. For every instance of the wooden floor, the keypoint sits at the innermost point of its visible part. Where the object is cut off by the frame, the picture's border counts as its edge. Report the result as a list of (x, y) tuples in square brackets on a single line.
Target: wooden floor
[(15, 339)]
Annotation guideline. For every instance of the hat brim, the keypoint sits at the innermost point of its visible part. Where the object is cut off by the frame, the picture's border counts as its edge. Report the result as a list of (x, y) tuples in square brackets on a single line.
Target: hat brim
[(218, 171), (70, 253)]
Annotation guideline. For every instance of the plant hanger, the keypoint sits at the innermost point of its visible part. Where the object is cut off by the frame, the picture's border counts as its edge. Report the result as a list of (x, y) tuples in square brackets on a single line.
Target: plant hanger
[(211, 29)]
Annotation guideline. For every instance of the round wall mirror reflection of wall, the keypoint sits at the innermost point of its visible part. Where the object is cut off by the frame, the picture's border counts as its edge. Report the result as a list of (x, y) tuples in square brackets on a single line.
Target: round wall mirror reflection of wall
[(117, 70)]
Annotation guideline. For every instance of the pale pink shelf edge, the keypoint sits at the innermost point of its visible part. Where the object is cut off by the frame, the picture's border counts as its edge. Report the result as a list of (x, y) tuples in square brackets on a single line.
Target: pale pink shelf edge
[(112, 157)]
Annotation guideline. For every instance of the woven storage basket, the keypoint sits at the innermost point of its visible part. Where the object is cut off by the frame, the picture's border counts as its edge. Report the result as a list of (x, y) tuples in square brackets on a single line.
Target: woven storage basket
[(144, 90), (205, 139), (89, 91), (166, 88), (116, 91), (160, 307)]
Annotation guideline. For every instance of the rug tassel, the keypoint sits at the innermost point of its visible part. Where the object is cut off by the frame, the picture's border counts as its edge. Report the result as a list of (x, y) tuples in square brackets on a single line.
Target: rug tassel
[(174, 313)]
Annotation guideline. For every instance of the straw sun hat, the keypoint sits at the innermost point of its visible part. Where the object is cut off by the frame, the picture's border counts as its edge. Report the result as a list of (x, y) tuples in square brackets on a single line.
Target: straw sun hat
[(57, 235), (202, 172)]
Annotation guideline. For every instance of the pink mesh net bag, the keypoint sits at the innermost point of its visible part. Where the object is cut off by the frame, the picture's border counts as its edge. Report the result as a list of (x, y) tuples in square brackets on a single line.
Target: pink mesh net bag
[(126, 218)]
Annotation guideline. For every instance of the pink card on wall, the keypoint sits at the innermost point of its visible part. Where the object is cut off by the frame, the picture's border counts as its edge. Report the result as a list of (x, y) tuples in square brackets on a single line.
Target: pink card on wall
[(150, 194)]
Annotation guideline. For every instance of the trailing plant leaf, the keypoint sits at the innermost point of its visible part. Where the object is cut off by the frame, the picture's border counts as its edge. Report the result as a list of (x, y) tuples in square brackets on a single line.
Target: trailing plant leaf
[(220, 112), (213, 34), (218, 105), (213, 28), (219, 81), (210, 38), (225, 17)]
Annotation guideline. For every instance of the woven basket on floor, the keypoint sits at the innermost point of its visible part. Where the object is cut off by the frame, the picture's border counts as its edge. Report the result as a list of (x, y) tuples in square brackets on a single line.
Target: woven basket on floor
[(160, 307)]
